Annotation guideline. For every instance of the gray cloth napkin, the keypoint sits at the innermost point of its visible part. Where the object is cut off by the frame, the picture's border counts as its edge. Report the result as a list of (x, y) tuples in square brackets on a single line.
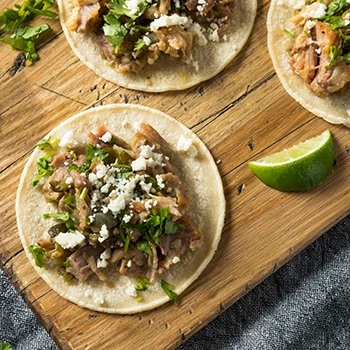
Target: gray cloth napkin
[(304, 305)]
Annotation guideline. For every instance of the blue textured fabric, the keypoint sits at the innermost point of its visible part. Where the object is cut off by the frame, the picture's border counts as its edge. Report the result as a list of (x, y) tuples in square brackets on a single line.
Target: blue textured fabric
[(304, 305)]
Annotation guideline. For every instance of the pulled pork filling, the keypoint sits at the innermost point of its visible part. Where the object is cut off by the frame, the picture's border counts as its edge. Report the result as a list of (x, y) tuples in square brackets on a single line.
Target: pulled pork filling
[(121, 206), (321, 51), (133, 33)]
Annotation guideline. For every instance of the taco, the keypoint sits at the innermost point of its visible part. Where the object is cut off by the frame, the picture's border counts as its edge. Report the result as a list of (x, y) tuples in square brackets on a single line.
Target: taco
[(120, 208), (309, 43), (157, 45)]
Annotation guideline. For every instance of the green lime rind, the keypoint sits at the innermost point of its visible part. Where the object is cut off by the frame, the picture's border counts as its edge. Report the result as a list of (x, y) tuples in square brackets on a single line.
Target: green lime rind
[(299, 174)]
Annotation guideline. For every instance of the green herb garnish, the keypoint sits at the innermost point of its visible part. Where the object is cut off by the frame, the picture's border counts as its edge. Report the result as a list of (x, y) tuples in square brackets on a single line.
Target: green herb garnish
[(38, 254), (84, 193), (141, 284), (168, 289), (334, 53), (65, 217), (144, 246), (139, 44), (43, 169), (66, 263), (114, 30), (126, 244), (24, 37), (290, 34), (69, 200), (5, 346)]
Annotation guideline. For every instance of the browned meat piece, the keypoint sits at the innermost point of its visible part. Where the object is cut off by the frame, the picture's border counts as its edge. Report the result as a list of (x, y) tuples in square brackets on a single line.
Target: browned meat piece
[(106, 47), (95, 139), (325, 37), (87, 16), (82, 210), (164, 202), (80, 181), (164, 7), (175, 41), (79, 266), (125, 61), (46, 244), (56, 184), (137, 256), (153, 264), (177, 188), (61, 160), (117, 255), (190, 236), (191, 5), (304, 58), (134, 270)]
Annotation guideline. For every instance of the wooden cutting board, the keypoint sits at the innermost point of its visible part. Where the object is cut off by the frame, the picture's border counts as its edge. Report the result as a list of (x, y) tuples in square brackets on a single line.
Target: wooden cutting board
[(241, 114)]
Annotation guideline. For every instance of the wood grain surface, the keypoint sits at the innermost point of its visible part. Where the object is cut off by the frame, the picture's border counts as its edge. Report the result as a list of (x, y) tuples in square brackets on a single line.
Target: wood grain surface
[(241, 114)]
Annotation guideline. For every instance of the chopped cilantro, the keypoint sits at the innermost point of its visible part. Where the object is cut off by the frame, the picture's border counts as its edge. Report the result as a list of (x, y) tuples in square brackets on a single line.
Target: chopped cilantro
[(290, 34), (336, 6), (24, 37), (114, 31), (69, 200), (140, 43), (141, 284), (125, 175), (168, 289), (43, 169), (139, 299), (126, 244), (92, 154), (144, 246), (334, 53), (118, 8), (84, 193), (38, 254), (65, 217), (66, 263)]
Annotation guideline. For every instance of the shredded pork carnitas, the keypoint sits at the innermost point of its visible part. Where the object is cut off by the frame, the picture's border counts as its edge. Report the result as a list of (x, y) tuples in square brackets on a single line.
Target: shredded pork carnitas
[(119, 206), (320, 55), (133, 33)]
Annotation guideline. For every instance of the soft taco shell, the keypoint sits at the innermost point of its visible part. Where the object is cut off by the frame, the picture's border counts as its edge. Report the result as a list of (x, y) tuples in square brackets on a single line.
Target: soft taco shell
[(166, 73), (199, 174), (335, 107)]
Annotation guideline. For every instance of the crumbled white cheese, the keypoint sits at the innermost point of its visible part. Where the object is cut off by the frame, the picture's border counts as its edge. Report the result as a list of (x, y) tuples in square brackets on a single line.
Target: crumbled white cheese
[(68, 240), (131, 291), (139, 164), (310, 24), (129, 263), (147, 158), (186, 145), (104, 234), (298, 5), (317, 12), (67, 139), (69, 180), (101, 171), (102, 262), (147, 40), (168, 21), (196, 30), (176, 259), (132, 6), (106, 137), (127, 218), (160, 182)]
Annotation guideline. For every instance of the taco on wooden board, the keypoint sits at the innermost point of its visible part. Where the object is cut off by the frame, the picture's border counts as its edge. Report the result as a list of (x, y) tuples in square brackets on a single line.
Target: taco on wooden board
[(309, 43), (154, 45), (120, 208)]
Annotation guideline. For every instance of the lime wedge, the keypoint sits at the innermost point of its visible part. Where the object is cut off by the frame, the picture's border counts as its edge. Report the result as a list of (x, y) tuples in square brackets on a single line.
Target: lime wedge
[(298, 168)]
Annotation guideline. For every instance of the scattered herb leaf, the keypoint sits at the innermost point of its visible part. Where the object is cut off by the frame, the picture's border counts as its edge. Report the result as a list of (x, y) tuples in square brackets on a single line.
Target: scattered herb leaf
[(38, 254)]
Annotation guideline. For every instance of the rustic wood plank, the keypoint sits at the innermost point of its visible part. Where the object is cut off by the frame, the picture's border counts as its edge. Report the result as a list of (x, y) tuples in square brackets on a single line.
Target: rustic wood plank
[(241, 114)]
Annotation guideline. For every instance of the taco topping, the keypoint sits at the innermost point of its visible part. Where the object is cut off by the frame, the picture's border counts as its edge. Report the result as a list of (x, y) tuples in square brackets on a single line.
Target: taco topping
[(321, 51), (120, 207), (133, 33)]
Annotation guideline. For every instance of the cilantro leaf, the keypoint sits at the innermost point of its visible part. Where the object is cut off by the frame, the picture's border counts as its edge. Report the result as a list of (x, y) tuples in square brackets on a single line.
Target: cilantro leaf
[(290, 34), (334, 53), (144, 246), (119, 8), (38, 254), (140, 43), (141, 284), (114, 31), (92, 154), (43, 169), (335, 6), (69, 200), (57, 216), (66, 263), (168, 289)]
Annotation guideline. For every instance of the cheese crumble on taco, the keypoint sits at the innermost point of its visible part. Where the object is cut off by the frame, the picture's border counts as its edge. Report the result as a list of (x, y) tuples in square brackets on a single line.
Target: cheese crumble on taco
[(157, 45), (120, 222), (309, 42)]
